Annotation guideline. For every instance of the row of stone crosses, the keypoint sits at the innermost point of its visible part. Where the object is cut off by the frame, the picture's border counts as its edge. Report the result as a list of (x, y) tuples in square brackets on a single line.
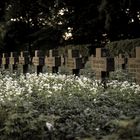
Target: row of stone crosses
[(101, 63)]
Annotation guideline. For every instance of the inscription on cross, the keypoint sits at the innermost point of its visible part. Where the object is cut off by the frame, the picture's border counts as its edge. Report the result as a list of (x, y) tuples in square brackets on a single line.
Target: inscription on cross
[(138, 64), (5, 58), (120, 62), (134, 65), (13, 61), (102, 64), (24, 62), (24, 58), (38, 61), (73, 60), (5, 61), (53, 61)]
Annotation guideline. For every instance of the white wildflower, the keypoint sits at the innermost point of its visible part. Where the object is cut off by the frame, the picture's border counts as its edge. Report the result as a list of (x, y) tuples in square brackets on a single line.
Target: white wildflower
[(97, 129), (49, 126)]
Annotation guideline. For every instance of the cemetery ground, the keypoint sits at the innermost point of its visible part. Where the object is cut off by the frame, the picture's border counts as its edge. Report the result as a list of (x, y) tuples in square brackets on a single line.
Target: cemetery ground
[(65, 107)]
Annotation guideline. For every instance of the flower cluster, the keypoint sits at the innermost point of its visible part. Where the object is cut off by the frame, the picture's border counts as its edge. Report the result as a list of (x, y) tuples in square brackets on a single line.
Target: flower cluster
[(49, 84), (65, 106), (43, 83)]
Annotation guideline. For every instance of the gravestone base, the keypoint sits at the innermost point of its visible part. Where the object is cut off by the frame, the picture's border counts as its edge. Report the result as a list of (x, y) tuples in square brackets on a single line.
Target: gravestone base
[(38, 69), (13, 68), (52, 69), (5, 67), (23, 68)]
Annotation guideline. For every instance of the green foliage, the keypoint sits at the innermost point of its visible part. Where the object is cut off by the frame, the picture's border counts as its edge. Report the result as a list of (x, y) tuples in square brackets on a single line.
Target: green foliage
[(15, 37), (83, 19), (87, 71), (83, 49), (64, 70), (128, 128), (2, 34), (120, 19), (46, 38), (26, 119), (32, 16), (71, 112), (2, 9), (121, 75), (29, 10), (126, 47), (73, 116)]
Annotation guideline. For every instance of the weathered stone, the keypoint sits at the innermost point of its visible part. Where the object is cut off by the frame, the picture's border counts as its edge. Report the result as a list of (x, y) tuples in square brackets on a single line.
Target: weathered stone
[(74, 63), (53, 61), (13, 59), (101, 64), (120, 62), (73, 53), (38, 59), (134, 65)]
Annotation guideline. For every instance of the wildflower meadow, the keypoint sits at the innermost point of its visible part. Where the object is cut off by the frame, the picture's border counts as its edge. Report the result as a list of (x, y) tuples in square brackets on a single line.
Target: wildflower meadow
[(67, 107)]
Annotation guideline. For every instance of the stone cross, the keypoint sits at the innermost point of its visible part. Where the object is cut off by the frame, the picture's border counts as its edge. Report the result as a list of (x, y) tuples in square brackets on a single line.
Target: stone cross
[(134, 65), (38, 61), (120, 62), (24, 62), (53, 61), (5, 61), (138, 64), (102, 64), (74, 61), (13, 61), (24, 58)]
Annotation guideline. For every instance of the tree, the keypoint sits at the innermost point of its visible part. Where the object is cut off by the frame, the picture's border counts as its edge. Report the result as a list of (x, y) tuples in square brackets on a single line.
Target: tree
[(3, 4), (92, 22), (82, 18), (15, 38), (2, 21), (46, 38), (26, 19), (120, 18)]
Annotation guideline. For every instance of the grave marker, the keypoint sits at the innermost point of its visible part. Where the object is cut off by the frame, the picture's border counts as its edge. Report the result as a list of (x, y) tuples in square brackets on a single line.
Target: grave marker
[(5, 61), (24, 61), (53, 61), (24, 58), (102, 64), (120, 62), (38, 61), (134, 65), (0, 61), (73, 61), (13, 61), (138, 64)]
